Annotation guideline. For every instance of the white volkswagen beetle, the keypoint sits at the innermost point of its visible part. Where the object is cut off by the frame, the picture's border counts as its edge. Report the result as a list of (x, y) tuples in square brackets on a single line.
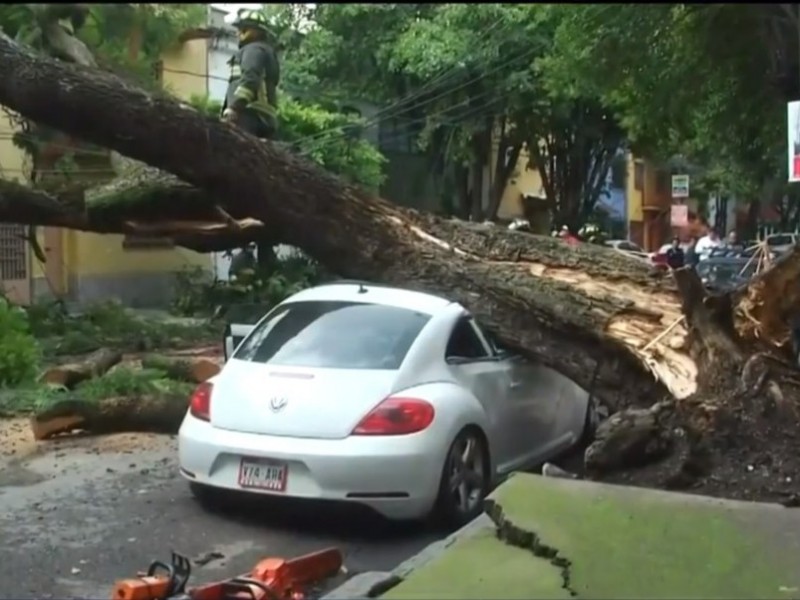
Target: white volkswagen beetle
[(386, 397)]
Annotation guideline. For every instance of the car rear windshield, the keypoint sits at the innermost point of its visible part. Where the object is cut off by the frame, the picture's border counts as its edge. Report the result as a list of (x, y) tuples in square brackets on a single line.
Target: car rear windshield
[(780, 240), (335, 335)]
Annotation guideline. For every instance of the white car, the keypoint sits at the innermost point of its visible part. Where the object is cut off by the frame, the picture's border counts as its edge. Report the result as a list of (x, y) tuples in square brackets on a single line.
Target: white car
[(381, 396)]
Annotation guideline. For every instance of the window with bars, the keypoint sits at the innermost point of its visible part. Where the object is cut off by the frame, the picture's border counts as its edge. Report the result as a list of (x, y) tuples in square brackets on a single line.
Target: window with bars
[(13, 263)]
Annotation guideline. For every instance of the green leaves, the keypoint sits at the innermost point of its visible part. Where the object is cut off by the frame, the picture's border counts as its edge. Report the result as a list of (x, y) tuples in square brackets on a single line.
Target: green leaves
[(682, 79), (330, 139)]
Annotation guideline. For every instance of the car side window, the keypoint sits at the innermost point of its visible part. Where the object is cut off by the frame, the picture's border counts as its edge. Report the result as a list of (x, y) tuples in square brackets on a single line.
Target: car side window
[(465, 343)]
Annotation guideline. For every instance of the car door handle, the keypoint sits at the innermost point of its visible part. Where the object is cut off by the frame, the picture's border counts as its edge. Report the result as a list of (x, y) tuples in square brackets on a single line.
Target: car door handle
[(515, 384)]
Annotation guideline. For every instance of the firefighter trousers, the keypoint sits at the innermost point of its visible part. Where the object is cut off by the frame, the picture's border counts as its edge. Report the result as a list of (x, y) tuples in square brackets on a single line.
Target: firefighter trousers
[(253, 124)]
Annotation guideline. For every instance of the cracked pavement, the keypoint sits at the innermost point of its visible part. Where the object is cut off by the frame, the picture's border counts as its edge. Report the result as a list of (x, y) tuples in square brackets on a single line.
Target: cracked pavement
[(78, 514)]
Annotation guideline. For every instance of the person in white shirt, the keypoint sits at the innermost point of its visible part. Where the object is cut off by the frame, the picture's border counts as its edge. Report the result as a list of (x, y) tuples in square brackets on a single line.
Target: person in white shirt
[(706, 243)]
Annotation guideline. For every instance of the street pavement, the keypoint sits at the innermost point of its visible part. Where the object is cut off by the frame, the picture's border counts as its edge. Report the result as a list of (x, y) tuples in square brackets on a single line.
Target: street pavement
[(76, 515)]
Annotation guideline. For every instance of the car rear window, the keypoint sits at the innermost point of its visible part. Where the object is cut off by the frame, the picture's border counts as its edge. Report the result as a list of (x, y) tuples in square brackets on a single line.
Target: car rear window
[(335, 335), (780, 240)]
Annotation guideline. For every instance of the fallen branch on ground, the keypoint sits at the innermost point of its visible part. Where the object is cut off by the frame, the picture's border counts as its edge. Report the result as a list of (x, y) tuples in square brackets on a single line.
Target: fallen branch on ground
[(153, 413), (189, 369), (94, 365)]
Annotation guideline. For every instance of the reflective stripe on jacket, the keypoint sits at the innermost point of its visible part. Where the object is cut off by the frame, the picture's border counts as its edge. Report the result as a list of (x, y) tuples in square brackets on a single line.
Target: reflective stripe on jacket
[(254, 79)]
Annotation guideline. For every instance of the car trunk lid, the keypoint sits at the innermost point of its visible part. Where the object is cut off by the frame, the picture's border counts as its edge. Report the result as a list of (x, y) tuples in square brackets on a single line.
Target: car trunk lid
[(295, 401)]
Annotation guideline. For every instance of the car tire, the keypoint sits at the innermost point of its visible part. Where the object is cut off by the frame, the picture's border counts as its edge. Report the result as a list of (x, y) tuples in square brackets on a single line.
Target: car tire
[(208, 497), (465, 480), (590, 423)]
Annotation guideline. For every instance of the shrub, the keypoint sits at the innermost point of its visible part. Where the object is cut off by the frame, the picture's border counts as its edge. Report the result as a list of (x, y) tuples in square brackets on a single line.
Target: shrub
[(19, 352)]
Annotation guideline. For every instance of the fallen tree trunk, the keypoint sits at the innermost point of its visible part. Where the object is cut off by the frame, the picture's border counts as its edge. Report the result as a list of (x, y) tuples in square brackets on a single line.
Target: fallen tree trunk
[(189, 369), (155, 414), (569, 307), (94, 365), (630, 335)]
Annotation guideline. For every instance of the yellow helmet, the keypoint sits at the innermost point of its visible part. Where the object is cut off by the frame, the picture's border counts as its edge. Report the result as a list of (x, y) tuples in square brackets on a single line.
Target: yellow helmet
[(254, 19)]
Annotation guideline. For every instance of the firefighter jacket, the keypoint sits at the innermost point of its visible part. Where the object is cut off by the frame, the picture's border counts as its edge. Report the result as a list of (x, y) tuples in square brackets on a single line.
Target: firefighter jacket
[(255, 73)]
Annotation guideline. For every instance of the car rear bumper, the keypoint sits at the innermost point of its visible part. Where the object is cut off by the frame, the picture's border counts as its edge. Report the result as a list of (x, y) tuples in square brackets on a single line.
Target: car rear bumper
[(396, 476)]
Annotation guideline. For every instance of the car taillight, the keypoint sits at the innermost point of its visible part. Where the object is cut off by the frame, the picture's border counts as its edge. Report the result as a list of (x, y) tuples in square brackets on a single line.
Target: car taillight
[(396, 416), (200, 404)]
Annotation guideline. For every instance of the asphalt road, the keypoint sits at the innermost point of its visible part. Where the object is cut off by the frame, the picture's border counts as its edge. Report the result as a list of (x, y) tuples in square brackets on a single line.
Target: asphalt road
[(77, 515)]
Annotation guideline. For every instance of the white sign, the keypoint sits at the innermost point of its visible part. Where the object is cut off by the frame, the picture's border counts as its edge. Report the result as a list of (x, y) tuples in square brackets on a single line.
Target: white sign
[(680, 186), (793, 140), (679, 215)]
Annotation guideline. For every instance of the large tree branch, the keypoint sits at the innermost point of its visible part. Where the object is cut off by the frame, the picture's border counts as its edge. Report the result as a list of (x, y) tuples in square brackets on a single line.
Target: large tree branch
[(144, 205)]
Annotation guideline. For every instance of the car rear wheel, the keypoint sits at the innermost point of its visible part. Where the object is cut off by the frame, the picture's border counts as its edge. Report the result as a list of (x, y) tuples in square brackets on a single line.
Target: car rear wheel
[(465, 480)]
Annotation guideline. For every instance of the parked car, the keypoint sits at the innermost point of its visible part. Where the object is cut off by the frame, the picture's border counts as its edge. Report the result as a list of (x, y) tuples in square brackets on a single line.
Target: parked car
[(781, 242), (628, 248), (389, 398), (722, 274), (625, 245)]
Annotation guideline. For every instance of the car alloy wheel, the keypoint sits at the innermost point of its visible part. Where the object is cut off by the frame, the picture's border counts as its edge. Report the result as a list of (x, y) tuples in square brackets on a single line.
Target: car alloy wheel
[(464, 480)]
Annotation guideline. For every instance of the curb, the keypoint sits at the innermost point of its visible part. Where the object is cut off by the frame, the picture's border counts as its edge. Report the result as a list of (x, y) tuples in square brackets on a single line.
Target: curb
[(372, 584)]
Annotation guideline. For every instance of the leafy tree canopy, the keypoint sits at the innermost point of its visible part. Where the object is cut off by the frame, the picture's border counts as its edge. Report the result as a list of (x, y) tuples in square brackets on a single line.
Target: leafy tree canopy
[(696, 81)]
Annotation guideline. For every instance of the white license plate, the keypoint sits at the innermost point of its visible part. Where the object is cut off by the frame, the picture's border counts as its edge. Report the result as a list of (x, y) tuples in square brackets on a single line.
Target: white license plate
[(262, 474)]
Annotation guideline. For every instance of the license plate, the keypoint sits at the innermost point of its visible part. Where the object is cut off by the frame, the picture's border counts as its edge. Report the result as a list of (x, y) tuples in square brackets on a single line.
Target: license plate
[(262, 475)]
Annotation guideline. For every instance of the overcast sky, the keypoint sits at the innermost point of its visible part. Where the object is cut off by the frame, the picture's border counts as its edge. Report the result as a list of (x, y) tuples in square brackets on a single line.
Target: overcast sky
[(232, 8)]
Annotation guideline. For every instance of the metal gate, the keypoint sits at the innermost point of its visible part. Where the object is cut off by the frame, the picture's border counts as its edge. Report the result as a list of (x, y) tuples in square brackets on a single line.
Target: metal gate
[(14, 274)]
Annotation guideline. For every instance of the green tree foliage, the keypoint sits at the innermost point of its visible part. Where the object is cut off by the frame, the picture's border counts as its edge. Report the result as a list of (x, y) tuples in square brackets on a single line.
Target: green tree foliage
[(464, 79), (696, 81), (328, 137)]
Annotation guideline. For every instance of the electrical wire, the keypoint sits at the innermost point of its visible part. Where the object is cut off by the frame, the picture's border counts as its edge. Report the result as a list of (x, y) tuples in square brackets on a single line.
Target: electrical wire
[(394, 109)]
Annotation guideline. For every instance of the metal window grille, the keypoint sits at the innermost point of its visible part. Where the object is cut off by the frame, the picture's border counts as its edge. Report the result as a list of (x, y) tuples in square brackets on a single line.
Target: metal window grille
[(13, 264)]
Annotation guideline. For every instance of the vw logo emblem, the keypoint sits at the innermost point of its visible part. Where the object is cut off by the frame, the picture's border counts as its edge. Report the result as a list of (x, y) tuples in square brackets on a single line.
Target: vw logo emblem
[(277, 403)]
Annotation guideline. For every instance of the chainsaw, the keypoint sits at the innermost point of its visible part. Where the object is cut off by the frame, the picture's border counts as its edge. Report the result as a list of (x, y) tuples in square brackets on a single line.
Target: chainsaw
[(271, 579)]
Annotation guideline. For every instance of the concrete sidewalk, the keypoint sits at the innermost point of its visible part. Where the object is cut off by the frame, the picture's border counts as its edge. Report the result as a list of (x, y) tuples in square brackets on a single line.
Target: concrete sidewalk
[(554, 538)]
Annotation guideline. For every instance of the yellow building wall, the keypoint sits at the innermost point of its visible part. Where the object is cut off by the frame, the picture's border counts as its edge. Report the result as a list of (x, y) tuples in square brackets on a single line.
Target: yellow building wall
[(524, 181), (634, 196), (184, 70), (12, 167)]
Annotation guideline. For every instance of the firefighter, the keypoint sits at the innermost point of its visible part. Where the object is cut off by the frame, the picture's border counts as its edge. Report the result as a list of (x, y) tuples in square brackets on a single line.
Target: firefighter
[(251, 102)]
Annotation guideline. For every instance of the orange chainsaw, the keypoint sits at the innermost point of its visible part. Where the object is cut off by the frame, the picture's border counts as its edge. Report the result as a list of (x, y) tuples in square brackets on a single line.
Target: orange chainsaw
[(271, 579)]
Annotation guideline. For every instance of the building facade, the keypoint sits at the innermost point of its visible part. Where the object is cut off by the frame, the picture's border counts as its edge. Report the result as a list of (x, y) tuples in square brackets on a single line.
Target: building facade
[(83, 267)]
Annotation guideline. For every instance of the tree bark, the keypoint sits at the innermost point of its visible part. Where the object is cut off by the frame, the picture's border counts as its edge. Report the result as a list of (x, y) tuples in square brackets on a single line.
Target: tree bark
[(156, 414), (94, 365)]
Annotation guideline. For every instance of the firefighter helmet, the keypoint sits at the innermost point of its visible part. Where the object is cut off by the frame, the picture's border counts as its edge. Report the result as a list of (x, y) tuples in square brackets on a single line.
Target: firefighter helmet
[(252, 18)]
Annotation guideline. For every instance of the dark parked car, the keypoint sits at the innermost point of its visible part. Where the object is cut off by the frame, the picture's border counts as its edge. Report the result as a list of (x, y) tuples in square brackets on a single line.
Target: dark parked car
[(721, 274)]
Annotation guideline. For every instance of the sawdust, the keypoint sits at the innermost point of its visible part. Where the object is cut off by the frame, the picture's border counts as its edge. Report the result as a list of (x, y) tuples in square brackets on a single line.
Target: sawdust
[(17, 443), (16, 439)]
